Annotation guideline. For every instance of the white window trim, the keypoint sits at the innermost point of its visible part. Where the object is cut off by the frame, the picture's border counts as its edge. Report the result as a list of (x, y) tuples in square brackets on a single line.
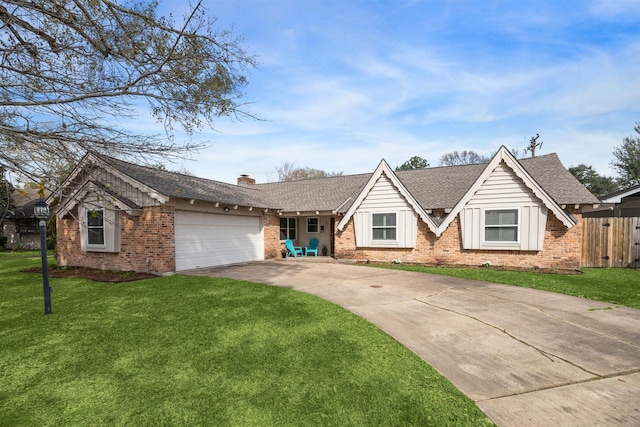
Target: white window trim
[(93, 246), (111, 228), (383, 242), (295, 228), (317, 225), (491, 244)]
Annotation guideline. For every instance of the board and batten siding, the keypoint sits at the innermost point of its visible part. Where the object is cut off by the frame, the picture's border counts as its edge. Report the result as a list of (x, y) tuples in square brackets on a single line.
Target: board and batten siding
[(385, 198), (125, 189), (504, 190)]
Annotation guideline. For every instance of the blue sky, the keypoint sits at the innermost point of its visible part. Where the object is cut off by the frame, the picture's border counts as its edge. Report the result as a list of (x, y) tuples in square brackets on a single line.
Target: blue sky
[(343, 84)]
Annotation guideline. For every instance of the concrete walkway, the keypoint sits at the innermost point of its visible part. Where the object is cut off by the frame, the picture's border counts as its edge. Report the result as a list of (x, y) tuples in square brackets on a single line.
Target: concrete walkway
[(526, 357)]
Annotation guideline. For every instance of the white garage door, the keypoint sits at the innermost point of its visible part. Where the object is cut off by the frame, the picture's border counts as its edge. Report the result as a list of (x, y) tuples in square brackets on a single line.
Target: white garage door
[(207, 240)]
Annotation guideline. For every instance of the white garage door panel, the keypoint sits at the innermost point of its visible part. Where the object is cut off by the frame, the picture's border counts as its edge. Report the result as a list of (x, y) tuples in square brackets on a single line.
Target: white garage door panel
[(207, 240)]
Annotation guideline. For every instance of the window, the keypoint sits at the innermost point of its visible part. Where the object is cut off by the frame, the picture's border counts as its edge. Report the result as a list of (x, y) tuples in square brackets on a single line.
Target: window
[(501, 225), (383, 226), (28, 226), (99, 229), (95, 227), (312, 225), (287, 228)]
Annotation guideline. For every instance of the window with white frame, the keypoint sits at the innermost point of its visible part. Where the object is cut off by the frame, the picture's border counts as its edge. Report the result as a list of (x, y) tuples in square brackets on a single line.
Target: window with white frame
[(99, 229), (501, 225), (312, 225), (383, 226), (288, 228), (95, 227)]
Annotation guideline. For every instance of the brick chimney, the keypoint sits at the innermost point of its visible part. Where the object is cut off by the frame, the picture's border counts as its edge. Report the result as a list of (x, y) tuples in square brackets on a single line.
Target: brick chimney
[(246, 180)]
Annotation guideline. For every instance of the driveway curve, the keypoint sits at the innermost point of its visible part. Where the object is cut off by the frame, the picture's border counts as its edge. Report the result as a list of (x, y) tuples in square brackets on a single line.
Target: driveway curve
[(526, 357)]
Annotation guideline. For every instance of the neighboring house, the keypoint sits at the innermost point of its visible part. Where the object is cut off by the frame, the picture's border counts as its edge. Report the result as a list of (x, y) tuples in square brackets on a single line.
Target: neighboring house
[(19, 224), (622, 203), (526, 213)]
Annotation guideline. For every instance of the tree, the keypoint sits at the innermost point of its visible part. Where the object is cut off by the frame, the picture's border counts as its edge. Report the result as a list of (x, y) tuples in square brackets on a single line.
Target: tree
[(71, 70), (6, 190), (415, 162), (627, 159), (598, 185), (6, 204), (462, 158), (287, 172)]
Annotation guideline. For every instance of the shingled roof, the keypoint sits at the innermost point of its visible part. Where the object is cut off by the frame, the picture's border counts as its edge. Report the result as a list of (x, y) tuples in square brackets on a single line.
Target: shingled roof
[(318, 194), (561, 185), (173, 184), (443, 187), (432, 188), (440, 187), (23, 202)]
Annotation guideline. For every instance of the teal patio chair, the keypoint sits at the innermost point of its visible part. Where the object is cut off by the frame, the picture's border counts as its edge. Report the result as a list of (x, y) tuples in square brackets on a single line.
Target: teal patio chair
[(293, 250), (312, 248)]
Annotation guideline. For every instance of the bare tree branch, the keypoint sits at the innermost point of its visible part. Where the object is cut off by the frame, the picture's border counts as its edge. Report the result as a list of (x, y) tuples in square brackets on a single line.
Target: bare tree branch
[(71, 70)]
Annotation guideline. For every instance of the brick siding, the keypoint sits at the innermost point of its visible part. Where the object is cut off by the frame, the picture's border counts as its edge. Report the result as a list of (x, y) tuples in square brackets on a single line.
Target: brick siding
[(562, 248), (149, 236), (272, 245)]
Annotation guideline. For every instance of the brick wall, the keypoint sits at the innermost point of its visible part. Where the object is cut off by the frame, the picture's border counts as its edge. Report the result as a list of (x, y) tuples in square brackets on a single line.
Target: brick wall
[(149, 236), (561, 248), (272, 244)]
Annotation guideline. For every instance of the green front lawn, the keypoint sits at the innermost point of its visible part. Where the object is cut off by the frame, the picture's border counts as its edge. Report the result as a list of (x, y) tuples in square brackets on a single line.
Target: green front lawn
[(614, 285), (204, 351)]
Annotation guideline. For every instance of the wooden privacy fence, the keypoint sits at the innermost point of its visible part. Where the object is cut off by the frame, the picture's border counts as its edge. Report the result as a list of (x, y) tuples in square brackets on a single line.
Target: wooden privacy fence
[(611, 242)]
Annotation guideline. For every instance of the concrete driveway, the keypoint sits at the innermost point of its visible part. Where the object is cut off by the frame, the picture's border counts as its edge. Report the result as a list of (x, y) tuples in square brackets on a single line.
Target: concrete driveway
[(526, 357)]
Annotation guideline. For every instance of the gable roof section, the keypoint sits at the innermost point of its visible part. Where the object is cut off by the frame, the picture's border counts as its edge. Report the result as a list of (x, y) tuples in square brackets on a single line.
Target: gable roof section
[(433, 188), (162, 185), (443, 187), (503, 155), (428, 189), (383, 168), (173, 184), (83, 172), (91, 186)]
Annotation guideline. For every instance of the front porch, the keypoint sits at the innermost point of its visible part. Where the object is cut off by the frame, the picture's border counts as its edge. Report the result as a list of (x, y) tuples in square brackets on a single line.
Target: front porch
[(300, 228)]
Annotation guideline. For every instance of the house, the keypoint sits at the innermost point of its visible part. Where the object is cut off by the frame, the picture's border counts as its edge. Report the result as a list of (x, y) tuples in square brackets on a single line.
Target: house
[(622, 203), (19, 224), (527, 213)]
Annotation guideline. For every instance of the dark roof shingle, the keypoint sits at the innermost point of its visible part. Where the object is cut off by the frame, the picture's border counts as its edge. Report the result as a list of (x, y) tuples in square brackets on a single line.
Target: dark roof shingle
[(433, 188), (183, 186)]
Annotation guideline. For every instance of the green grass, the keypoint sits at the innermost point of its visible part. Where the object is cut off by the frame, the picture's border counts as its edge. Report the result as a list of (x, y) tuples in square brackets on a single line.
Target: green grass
[(204, 351), (614, 285)]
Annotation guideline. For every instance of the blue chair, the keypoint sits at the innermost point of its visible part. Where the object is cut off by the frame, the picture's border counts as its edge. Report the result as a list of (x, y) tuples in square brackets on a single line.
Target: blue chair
[(312, 248), (293, 250)]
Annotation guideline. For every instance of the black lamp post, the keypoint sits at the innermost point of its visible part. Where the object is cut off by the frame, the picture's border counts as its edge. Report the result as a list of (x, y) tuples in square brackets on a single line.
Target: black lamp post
[(41, 211)]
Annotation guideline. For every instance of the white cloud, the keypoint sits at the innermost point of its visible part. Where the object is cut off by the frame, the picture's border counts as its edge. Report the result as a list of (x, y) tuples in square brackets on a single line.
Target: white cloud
[(343, 85)]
